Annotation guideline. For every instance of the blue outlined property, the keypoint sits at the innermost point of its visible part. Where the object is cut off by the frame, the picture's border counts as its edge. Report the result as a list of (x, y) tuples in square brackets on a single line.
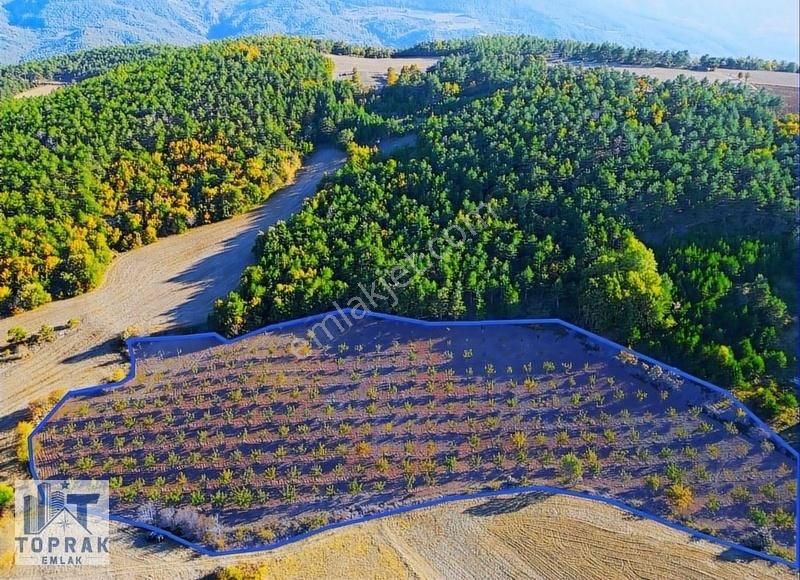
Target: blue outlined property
[(235, 446)]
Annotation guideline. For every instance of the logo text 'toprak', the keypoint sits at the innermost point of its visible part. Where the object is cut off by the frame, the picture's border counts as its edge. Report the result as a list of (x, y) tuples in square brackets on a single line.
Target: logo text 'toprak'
[(61, 523)]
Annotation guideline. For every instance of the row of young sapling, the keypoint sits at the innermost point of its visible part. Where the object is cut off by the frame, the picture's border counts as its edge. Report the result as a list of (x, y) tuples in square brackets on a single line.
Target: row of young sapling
[(350, 431)]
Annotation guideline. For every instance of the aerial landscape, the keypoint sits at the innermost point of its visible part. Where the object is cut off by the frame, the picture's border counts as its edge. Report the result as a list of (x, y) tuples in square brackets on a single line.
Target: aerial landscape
[(399, 289)]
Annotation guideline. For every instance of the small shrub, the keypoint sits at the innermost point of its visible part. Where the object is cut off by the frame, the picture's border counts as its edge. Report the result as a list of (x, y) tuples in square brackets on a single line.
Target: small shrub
[(680, 496), (571, 468), (363, 448), (315, 521), (758, 517), (266, 535), (674, 473), (782, 519), (740, 494), (592, 461), (46, 333), (769, 491), (6, 496), (16, 334), (519, 440), (24, 429)]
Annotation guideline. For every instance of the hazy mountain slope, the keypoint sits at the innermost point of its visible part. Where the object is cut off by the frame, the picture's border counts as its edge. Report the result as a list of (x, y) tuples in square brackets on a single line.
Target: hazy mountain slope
[(34, 28)]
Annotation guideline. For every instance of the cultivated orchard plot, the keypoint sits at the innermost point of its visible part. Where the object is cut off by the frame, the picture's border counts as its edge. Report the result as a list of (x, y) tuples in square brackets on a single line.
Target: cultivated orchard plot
[(245, 444)]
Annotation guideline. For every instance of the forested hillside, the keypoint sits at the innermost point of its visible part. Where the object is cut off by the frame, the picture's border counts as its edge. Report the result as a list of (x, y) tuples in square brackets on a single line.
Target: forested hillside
[(661, 214), (184, 137), (72, 67), (594, 52)]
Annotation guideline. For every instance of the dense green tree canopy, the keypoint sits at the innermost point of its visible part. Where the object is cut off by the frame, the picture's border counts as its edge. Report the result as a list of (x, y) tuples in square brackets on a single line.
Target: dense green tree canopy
[(660, 214), (622, 292)]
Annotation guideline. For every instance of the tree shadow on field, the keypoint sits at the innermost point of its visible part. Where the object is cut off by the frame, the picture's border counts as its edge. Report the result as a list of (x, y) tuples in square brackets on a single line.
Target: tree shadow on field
[(146, 545), (106, 347), (506, 505)]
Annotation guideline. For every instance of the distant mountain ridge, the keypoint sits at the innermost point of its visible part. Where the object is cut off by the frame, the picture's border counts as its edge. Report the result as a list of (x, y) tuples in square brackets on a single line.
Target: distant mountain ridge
[(38, 28)]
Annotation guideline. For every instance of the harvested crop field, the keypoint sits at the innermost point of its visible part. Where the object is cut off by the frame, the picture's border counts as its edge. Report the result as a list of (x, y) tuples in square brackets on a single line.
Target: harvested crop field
[(790, 96), (556, 538), (297, 428)]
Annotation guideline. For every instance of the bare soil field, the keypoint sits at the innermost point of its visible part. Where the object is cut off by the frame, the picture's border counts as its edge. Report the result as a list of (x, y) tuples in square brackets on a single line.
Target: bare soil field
[(44, 88), (551, 538), (373, 70), (756, 77), (790, 96)]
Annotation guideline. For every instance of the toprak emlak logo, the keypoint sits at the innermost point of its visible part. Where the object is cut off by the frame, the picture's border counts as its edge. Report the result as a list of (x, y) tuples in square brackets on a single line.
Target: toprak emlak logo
[(61, 523)]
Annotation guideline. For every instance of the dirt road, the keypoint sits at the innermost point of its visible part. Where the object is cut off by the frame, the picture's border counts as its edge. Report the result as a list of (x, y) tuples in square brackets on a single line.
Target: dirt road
[(553, 537)]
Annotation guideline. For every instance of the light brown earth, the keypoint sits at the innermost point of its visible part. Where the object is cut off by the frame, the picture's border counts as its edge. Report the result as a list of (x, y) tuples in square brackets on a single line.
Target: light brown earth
[(550, 538), (756, 77), (373, 70)]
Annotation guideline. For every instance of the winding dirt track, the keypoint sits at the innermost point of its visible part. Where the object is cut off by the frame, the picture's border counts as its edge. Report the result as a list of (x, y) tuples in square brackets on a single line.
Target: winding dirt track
[(550, 538)]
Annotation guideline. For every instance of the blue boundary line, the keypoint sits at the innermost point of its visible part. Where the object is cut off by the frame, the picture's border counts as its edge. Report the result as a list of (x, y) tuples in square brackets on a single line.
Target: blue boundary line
[(358, 314)]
